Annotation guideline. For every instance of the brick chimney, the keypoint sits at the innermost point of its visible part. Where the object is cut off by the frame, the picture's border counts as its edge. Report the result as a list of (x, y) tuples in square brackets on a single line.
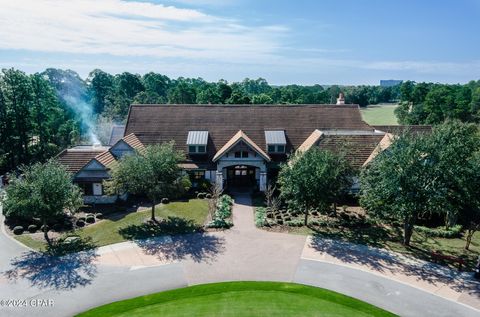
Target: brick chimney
[(341, 99)]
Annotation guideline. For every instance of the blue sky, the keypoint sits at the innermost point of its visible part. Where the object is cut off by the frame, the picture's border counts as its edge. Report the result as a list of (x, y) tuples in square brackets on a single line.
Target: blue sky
[(303, 42)]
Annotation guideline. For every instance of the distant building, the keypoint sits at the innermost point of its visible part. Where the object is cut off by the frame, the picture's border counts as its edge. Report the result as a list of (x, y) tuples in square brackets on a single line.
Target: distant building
[(390, 82)]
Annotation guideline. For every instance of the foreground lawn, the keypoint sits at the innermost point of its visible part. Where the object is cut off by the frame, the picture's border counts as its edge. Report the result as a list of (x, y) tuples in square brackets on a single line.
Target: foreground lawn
[(241, 299), (112, 229), (379, 114)]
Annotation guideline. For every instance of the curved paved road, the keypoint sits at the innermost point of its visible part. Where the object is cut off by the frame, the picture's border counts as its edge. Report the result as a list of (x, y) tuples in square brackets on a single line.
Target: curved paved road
[(78, 282)]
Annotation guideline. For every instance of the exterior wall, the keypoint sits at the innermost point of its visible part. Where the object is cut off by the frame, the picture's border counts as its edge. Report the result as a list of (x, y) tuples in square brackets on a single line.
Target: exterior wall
[(253, 159), (120, 149), (103, 199)]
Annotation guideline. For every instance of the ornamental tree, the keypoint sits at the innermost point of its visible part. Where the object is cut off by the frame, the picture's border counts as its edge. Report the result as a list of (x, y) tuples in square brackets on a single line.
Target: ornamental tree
[(314, 179), (153, 172), (423, 174), (43, 191)]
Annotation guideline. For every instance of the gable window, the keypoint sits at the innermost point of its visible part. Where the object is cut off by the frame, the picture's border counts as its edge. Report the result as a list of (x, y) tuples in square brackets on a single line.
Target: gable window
[(241, 154)]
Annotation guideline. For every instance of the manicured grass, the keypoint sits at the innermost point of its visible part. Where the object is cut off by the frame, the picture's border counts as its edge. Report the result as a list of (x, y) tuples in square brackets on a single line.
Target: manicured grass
[(30, 242), (380, 114), (108, 231), (241, 299)]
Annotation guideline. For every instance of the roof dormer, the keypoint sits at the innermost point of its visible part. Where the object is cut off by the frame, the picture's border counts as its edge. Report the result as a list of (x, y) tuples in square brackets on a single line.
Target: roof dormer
[(197, 142), (276, 141)]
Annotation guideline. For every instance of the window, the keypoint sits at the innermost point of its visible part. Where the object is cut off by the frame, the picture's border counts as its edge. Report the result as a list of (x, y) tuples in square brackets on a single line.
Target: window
[(241, 154), (197, 175), (192, 149), (97, 189), (276, 148), (87, 188)]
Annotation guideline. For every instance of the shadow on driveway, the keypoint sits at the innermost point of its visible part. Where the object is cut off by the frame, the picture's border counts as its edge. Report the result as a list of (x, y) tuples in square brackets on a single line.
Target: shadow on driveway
[(175, 239), (44, 270), (382, 260)]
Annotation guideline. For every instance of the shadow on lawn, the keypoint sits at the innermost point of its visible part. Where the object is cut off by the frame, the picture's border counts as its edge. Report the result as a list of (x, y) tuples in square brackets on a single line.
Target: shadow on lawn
[(65, 266), (384, 261), (174, 239)]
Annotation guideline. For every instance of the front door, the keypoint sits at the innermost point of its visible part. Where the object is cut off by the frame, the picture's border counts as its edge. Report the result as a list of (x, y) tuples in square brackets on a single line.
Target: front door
[(241, 175)]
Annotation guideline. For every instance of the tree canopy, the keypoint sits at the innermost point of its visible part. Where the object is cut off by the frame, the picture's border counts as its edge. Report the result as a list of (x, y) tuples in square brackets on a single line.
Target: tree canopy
[(153, 172), (314, 179), (43, 191), (423, 174)]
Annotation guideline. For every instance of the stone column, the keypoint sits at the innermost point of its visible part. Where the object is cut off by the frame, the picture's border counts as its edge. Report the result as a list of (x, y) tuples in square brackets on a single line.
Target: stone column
[(219, 181), (263, 181)]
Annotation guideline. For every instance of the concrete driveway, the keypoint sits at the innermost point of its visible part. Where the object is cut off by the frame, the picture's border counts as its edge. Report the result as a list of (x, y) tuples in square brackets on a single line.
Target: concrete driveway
[(75, 283)]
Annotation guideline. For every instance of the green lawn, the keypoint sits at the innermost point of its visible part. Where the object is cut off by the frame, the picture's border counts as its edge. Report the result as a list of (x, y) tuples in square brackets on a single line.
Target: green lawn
[(109, 230), (241, 299), (380, 114)]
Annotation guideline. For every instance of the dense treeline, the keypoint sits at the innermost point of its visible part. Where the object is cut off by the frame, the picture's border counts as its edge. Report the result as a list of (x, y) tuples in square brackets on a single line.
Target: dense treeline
[(112, 94), (41, 114), (428, 103), (34, 123)]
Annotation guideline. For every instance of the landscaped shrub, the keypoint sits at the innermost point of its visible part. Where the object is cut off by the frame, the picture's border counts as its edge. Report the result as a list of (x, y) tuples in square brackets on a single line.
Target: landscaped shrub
[(57, 227), (44, 227), (222, 213), (82, 218), (208, 196), (99, 215), (260, 216), (32, 228), (441, 232), (90, 219), (201, 195), (80, 223), (165, 201), (89, 215), (18, 230), (294, 223), (220, 224)]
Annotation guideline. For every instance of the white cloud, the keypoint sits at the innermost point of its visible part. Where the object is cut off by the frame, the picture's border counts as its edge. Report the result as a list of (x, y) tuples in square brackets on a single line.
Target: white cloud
[(130, 28)]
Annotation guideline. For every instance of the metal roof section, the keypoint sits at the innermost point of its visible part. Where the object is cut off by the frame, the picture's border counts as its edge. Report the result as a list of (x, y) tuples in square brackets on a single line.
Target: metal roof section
[(197, 138), (275, 137), (116, 134)]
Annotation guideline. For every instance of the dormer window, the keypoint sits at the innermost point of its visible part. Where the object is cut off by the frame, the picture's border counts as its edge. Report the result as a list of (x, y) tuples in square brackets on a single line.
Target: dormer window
[(197, 142), (197, 149), (276, 141)]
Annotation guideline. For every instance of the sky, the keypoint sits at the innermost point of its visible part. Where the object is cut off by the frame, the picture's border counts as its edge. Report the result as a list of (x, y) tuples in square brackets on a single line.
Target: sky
[(285, 42)]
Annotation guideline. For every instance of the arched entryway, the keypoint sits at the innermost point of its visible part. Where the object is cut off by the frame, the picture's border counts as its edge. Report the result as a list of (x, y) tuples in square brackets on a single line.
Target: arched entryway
[(242, 176)]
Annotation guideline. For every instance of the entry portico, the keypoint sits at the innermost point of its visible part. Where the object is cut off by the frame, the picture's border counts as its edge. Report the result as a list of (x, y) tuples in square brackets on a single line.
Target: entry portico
[(241, 162)]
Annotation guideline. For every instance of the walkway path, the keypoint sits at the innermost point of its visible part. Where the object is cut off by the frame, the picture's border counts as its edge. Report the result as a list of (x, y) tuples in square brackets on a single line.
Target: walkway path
[(78, 282)]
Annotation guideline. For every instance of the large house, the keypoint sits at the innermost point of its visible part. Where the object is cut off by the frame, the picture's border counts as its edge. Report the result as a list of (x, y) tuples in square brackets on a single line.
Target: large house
[(232, 145)]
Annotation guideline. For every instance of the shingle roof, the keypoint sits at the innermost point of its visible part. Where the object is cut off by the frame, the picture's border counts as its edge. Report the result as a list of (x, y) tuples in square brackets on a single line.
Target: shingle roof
[(132, 140), (398, 129), (358, 148), (116, 134), (154, 124), (310, 141), (76, 158), (106, 159), (384, 143)]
